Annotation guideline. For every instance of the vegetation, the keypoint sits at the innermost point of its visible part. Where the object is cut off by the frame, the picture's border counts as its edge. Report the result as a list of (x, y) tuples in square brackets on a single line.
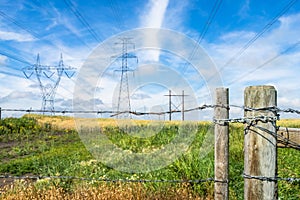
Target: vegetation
[(50, 146)]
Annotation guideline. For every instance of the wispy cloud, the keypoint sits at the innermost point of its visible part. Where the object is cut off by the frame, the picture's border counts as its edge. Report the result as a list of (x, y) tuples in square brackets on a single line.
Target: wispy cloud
[(243, 13), (154, 14), (153, 17), (7, 35), (176, 14)]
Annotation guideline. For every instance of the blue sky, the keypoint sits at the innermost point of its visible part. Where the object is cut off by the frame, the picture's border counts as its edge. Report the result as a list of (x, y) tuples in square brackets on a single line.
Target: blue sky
[(76, 28)]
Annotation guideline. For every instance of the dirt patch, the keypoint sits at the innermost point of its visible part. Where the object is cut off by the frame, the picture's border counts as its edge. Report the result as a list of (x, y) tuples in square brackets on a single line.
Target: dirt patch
[(4, 145)]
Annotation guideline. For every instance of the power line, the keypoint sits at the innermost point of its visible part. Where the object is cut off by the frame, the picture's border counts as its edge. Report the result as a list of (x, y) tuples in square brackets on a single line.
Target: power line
[(115, 10), (208, 22), (250, 42), (259, 34), (39, 5), (28, 30), (15, 22), (80, 17), (8, 73), (14, 57), (210, 19), (265, 63)]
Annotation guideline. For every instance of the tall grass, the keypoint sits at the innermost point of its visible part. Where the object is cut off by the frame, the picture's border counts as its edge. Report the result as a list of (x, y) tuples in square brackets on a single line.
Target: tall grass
[(116, 191), (50, 146)]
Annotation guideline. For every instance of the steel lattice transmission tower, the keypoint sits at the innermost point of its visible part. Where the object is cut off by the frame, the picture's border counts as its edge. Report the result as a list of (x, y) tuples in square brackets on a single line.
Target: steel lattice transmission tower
[(124, 96), (48, 78)]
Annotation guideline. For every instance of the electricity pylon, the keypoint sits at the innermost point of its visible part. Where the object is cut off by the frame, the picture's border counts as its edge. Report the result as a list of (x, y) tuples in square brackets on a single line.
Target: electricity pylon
[(170, 95), (48, 78), (124, 96)]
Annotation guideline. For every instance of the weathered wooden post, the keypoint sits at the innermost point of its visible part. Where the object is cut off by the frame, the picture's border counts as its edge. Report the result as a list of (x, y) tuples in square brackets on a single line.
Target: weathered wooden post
[(221, 111), (260, 152)]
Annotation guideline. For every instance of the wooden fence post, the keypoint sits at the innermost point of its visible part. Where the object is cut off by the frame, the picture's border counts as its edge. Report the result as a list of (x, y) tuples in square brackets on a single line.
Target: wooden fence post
[(289, 137), (221, 111), (260, 152)]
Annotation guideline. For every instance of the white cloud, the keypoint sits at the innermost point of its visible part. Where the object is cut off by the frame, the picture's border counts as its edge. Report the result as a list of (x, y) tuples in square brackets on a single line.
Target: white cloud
[(18, 95), (289, 102), (288, 31), (154, 15), (176, 14), (269, 45), (153, 18), (6, 35)]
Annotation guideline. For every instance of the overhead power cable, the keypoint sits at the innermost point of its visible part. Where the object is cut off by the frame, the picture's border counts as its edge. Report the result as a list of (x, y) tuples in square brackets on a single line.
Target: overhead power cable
[(208, 22), (82, 20), (265, 63), (251, 41), (14, 57), (259, 34), (45, 7), (115, 10), (9, 73), (28, 30), (210, 19), (20, 25)]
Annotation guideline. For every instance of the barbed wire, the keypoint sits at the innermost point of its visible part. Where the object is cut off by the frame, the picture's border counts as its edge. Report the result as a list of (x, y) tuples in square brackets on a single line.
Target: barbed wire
[(37, 177), (114, 113), (286, 141), (250, 121), (246, 120), (271, 179), (247, 176), (280, 138), (202, 107), (59, 111), (288, 110)]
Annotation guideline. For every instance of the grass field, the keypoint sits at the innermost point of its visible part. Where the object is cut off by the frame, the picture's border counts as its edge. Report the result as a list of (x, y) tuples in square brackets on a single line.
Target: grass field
[(50, 146)]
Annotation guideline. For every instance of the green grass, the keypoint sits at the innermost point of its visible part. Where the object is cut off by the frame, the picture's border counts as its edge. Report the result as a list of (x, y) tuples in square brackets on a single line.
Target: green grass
[(29, 147)]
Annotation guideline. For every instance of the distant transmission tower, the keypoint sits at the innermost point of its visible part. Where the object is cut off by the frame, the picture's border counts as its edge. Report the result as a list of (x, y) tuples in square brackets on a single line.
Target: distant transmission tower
[(48, 78), (124, 97), (170, 95)]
